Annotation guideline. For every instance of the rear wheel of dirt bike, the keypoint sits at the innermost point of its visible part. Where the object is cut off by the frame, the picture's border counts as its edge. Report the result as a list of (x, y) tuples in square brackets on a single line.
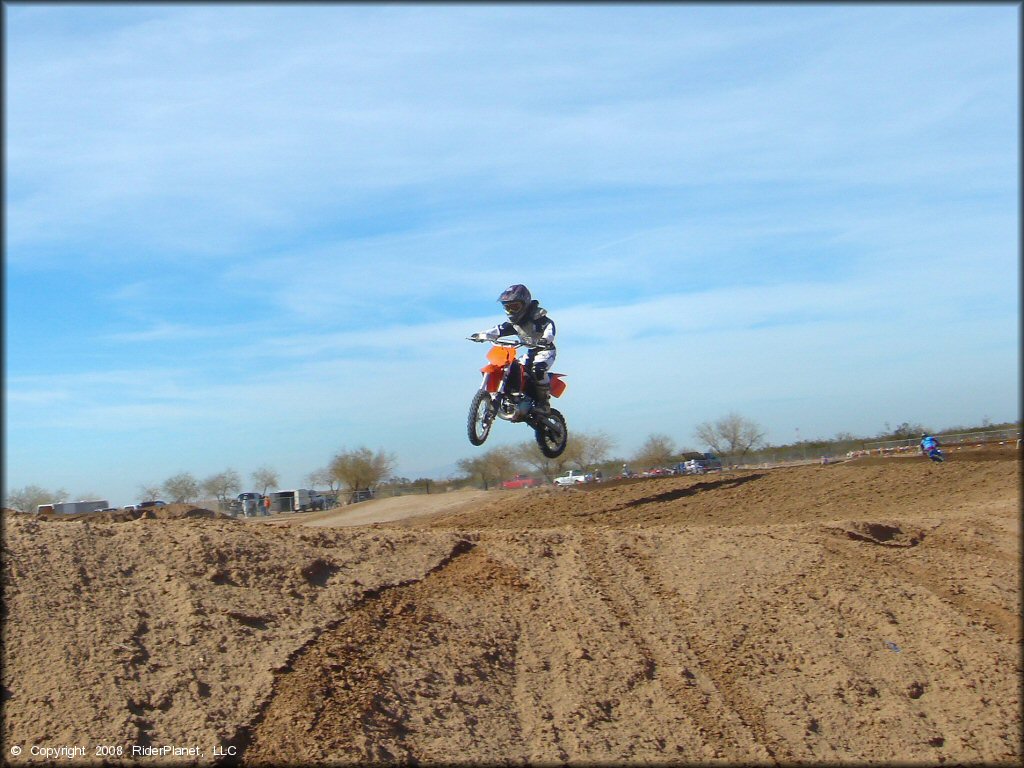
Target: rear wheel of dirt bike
[(481, 417), (552, 434)]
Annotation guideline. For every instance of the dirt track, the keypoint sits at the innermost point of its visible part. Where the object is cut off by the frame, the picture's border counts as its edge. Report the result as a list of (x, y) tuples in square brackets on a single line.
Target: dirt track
[(866, 611)]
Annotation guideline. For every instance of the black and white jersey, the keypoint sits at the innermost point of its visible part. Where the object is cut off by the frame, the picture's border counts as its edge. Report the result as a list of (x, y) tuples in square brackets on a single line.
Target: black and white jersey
[(536, 329)]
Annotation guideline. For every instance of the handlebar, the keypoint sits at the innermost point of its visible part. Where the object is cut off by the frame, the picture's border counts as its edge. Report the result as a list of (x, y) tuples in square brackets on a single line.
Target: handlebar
[(500, 342), (514, 344)]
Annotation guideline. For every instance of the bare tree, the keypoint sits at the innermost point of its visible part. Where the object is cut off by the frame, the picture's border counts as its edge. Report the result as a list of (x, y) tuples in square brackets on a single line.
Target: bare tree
[(182, 487), (657, 451), (905, 431), (582, 451), (361, 468), (29, 498), (732, 435), (149, 492), (322, 478), (264, 478), (529, 454), (222, 485), (490, 467), (592, 449)]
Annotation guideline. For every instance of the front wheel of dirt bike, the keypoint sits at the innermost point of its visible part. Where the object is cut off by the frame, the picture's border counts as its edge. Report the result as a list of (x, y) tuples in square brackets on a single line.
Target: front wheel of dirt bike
[(481, 417), (552, 434)]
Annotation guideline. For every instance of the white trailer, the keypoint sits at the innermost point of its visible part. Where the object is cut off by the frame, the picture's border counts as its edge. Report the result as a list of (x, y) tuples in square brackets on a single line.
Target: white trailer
[(297, 500), (77, 507)]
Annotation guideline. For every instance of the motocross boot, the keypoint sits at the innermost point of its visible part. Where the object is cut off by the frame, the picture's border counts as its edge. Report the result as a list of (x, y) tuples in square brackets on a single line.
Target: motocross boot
[(542, 403)]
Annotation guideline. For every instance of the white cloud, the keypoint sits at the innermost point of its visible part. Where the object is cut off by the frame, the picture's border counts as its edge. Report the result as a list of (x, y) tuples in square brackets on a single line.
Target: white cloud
[(206, 142)]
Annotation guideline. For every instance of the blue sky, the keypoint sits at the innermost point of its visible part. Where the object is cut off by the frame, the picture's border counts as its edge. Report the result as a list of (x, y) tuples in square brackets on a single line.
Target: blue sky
[(247, 235)]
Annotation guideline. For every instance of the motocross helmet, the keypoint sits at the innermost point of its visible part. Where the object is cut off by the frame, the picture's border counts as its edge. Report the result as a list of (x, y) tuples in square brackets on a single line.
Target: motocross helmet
[(516, 301)]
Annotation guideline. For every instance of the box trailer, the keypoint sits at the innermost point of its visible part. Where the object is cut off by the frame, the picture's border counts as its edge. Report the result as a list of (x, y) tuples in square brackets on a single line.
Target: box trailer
[(77, 507), (297, 500)]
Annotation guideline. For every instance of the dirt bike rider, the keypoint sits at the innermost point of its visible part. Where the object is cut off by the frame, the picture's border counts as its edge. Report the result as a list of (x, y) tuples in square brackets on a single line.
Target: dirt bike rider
[(528, 320), (928, 443)]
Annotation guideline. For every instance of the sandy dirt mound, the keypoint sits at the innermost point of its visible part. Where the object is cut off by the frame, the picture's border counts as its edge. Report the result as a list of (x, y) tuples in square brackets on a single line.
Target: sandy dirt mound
[(169, 512), (383, 510), (860, 612), (858, 489)]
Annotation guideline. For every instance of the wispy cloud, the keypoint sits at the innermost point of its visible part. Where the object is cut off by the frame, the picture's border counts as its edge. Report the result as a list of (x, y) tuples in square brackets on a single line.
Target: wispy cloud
[(215, 145), (161, 331)]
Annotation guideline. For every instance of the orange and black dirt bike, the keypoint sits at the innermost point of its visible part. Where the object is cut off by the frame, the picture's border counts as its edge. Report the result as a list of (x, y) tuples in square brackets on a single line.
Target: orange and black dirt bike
[(507, 392)]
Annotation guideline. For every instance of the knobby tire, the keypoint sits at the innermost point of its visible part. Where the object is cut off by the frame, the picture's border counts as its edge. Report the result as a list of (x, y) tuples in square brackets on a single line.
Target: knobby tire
[(481, 418), (552, 445)]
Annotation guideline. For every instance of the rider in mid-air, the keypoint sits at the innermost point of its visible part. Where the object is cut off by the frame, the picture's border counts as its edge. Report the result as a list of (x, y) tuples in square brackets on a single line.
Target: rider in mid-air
[(528, 320)]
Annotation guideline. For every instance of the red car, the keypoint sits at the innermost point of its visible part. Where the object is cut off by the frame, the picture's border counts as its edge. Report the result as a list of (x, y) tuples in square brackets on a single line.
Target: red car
[(521, 481)]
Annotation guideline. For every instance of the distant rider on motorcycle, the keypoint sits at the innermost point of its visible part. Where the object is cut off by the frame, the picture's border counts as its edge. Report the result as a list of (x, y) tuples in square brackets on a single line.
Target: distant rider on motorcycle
[(528, 320), (927, 444)]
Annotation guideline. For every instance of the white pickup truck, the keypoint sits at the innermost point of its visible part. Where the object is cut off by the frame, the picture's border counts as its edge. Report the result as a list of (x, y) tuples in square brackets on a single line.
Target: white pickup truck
[(572, 477)]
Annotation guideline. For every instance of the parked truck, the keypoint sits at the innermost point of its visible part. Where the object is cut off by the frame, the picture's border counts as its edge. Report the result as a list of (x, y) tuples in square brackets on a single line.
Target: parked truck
[(698, 464), (521, 481), (247, 504), (572, 477)]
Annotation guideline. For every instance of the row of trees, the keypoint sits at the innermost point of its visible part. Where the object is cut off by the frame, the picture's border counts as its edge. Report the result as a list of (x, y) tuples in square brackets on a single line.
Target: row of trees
[(497, 464), (358, 469), (183, 487), (733, 437), (355, 470)]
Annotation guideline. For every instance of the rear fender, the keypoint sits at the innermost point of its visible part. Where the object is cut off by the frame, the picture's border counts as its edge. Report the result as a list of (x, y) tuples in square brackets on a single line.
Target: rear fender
[(557, 385)]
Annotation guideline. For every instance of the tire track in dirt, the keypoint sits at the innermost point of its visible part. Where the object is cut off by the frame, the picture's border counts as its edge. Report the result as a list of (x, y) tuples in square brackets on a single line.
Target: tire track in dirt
[(587, 689), (684, 671), (812, 615), (913, 590), (946, 543)]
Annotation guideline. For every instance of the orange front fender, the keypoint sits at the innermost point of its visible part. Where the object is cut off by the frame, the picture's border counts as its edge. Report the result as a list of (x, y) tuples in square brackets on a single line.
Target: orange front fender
[(492, 376)]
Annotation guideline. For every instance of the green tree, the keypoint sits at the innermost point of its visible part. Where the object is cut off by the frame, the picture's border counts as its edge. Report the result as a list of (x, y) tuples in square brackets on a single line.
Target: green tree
[(181, 487), (731, 436), (361, 469), (27, 499)]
